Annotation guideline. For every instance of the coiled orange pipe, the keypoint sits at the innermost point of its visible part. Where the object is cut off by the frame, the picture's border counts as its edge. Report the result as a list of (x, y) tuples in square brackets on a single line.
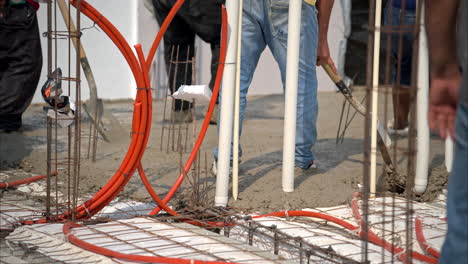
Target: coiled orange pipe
[(130, 257)]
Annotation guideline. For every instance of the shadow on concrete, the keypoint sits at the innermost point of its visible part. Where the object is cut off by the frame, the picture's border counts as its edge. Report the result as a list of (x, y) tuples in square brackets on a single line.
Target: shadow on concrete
[(14, 147), (329, 156)]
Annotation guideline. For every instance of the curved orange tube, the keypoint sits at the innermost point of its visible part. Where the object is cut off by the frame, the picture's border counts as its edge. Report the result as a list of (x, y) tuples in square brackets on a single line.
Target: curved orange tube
[(422, 240), (206, 122), (114, 254)]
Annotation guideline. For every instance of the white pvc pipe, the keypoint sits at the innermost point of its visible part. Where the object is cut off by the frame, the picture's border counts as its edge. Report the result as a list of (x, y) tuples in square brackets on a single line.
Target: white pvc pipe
[(422, 108), (375, 96), (235, 158), (292, 70), (448, 153), (227, 104)]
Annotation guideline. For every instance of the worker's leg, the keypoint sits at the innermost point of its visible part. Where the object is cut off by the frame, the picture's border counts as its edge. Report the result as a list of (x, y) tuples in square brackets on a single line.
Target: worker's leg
[(204, 18), (307, 106), (20, 50), (179, 43), (455, 247), (253, 44), (401, 73)]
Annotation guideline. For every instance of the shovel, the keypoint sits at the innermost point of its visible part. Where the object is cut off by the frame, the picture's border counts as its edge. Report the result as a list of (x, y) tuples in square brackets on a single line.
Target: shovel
[(106, 124)]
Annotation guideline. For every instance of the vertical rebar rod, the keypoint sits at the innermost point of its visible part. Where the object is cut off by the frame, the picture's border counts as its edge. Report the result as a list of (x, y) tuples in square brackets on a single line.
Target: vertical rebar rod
[(69, 129), (174, 82), (367, 132), (412, 137), (49, 123), (387, 83), (164, 126), (56, 112), (77, 135), (49, 160)]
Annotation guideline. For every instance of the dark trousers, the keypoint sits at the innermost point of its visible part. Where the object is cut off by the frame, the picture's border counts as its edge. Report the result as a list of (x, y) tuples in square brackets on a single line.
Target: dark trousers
[(20, 63), (195, 17)]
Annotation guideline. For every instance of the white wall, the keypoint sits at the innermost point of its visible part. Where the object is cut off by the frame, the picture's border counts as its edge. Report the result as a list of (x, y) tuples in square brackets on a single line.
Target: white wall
[(113, 77), (137, 24)]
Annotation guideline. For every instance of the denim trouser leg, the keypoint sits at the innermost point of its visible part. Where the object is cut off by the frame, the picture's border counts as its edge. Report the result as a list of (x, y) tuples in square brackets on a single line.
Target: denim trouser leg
[(455, 248), (307, 106), (265, 22), (253, 44)]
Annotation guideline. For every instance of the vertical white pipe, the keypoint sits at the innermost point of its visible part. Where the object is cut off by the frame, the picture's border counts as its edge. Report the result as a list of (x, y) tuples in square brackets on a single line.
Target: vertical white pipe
[(235, 158), (375, 96), (227, 104), (422, 108), (292, 70), (448, 153)]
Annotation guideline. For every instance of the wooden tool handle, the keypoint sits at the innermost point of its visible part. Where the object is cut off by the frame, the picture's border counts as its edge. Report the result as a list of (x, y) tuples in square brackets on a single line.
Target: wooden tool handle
[(334, 76)]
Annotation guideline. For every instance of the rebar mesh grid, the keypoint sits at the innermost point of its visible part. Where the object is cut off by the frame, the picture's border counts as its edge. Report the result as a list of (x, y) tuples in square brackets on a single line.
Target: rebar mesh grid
[(66, 161), (389, 216)]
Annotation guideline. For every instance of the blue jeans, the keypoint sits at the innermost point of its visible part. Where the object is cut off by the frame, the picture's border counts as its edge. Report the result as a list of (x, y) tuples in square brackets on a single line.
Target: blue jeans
[(265, 23), (455, 248)]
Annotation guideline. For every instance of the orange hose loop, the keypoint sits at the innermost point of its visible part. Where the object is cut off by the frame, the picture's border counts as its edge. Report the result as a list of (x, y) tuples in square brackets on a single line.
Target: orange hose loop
[(206, 122), (128, 165), (114, 254)]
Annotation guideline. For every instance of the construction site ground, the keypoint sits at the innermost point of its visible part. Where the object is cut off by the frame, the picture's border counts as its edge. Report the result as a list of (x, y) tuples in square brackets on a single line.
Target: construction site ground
[(340, 166)]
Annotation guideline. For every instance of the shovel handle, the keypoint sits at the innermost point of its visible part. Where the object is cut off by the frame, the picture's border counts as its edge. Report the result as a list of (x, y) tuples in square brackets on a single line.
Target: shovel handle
[(331, 73)]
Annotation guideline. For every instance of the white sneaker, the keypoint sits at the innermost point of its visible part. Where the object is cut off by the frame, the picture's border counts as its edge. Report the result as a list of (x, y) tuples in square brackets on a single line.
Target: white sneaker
[(312, 165), (214, 169)]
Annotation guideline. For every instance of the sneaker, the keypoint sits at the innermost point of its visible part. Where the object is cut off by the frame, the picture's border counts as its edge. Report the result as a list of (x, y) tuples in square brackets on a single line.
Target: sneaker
[(214, 169), (312, 165), (214, 116), (396, 132)]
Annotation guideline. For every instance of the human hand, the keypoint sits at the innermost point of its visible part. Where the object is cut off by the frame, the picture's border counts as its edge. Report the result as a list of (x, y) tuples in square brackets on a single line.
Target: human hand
[(443, 100), (323, 56)]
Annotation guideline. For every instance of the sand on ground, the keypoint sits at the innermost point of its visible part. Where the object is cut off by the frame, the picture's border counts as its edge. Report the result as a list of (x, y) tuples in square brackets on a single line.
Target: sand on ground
[(260, 185)]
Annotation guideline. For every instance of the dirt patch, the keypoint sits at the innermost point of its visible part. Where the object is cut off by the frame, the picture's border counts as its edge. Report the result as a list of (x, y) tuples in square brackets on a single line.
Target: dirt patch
[(260, 186)]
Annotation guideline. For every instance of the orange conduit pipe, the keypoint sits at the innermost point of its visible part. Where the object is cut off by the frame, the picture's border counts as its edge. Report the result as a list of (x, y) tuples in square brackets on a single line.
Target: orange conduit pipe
[(97, 16), (11, 184), (422, 240), (123, 46), (355, 229), (400, 252), (130, 257), (129, 163), (206, 122)]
